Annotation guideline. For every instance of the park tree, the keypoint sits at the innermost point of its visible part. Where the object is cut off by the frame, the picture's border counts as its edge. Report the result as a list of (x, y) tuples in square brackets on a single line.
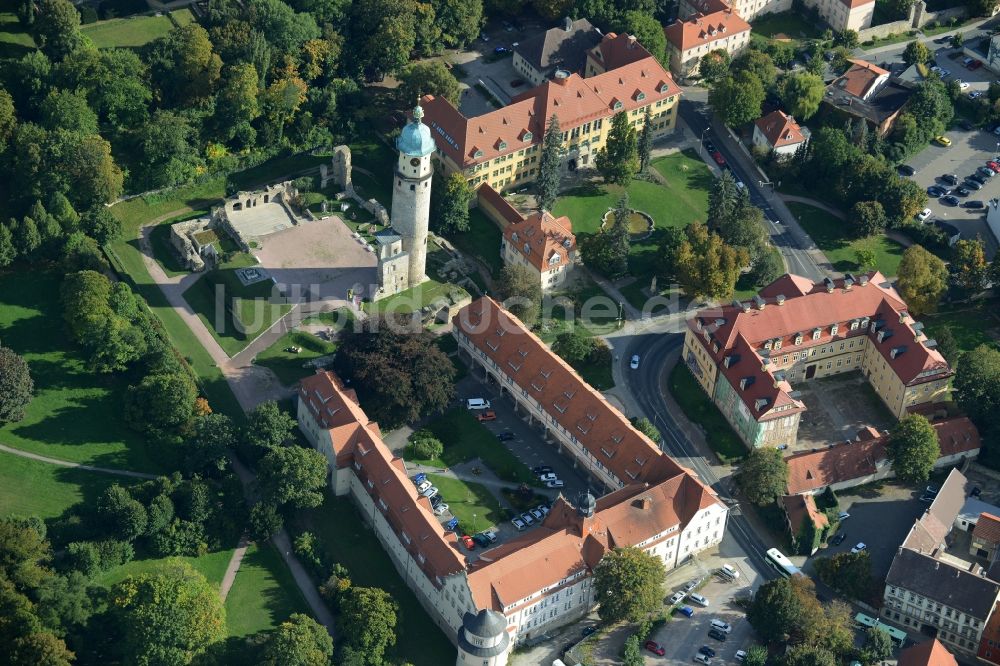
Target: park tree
[(705, 266), (977, 387), (87, 172), (268, 426), (56, 28), (161, 404), (123, 515), (722, 199), (968, 263), (646, 427), (738, 98), (628, 584), (573, 346), (645, 145), (916, 53), (16, 386), (878, 646), (756, 656), (757, 63), (460, 20), (913, 449), (618, 160), (809, 655), (8, 118), (425, 445), (786, 610), (520, 291), (865, 257), (631, 653), (208, 447), (265, 521), (185, 66), (292, 475), (868, 218), (648, 32), (426, 78), (68, 111), (8, 252), (848, 573), (947, 344), (618, 237), (238, 98), (714, 65), (402, 375), (450, 203), (801, 93), (744, 227), (368, 623), (24, 553), (922, 279), (763, 476), (166, 616), (100, 224), (170, 155), (388, 30), (549, 169), (298, 641)]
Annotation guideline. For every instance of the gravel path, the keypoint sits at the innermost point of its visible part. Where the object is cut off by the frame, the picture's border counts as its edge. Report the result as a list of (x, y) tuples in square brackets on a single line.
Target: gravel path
[(66, 463)]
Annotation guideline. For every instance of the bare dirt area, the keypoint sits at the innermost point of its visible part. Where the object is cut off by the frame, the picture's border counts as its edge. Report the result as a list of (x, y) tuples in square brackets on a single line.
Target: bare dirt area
[(838, 407), (320, 258)]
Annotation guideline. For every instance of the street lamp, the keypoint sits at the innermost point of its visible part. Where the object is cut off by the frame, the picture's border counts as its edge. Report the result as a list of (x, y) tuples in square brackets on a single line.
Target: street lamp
[(701, 142)]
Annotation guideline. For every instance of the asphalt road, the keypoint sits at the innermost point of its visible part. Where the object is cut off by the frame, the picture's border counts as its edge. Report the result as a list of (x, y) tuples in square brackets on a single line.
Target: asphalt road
[(785, 234), (645, 384)]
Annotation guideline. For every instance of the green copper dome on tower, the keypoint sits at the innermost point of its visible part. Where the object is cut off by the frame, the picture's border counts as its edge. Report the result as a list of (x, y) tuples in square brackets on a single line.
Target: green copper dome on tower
[(415, 139)]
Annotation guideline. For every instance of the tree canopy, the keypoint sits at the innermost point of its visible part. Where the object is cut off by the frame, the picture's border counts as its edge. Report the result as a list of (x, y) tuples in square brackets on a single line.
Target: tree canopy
[(618, 159), (922, 279), (628, 584), (521, 292), (763, 475), (16, 386), (705, 266)]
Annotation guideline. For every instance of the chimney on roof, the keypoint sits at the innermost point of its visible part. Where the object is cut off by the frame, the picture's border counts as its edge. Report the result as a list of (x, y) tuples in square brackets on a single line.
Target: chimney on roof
[(903, 314), (759, 300), (631, 41), (567, 24), (829, 284), (848, 283), (780, 299), (863, 280), (644, 503)]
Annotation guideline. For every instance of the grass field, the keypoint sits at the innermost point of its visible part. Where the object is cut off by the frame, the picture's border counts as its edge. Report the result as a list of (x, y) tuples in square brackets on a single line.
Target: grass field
[(788, 25), (481, 241), (211, 565), (472, 503), (465, 438), (414, 298), (263, 594), (76, 415), (347, 540), (129, 32), (287, 365), (32, 488), (970, 326), (699, 409), (14, 40), (829, 233)]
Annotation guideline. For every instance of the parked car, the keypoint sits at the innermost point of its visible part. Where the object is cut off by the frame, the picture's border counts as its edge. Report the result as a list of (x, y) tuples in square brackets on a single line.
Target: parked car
[(537, 515), (542, 509), (703, 659), (655, 648), (973, 183), (936, 191), (942, 140), (436, 500), (587, 631), (729, 571), (993, 164), (707, 651), (975, 64), (481, 540), (718, 635), (526, 518), (698, 599), (483, 36), (950, 178), (686, 611), (518, 524), (839, 538), (859, 547), (430, 492), (923, 215), (451, 525), (488, 415), (986, 171), (634, 363), (950, 200), (676, 598), (419, 478), (501, 50), (966, 61), (489, 535), (973, 204), (441, 509), (975, 94), (942, 40), (719, 159), (724, 627), (423, 485), (690, 585), (554, 484), (542, 469), (548, 476), (505, 436), (963, 85), (468, 542), (710, 147), (963, 191), (740, 655), (906, 170), (477, 403)]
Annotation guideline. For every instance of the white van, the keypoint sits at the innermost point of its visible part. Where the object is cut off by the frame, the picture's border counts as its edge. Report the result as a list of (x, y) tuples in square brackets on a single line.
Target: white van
[(478, 403), (729, 572), (558, 662), (721, 626), (698, 599)]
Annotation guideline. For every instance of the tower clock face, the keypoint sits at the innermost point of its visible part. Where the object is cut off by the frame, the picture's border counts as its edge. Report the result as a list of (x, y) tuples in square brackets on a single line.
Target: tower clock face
[(415, 161)]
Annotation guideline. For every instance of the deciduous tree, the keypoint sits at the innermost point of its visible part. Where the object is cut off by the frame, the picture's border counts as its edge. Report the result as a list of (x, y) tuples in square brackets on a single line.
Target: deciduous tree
[(56, 28), (802, 93), (648, 32), (913, 449), (646, 427), (16, 386), (714, 65), (519, 289), (628, 584), (969, 264), (450, 198), (916, 52), (426, 78), (868, 218), (425, 445), (268, 426), (368, 619), (618, 160), (298, 641), (763, 475), (161, 404), (977, 387), (292, 475), (737, 98), (705, 266), (922, 279), (123, 515)]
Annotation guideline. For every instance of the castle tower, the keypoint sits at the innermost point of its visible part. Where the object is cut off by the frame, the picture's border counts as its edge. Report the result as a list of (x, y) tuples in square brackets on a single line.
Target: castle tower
[(483, 639), (411, 193)]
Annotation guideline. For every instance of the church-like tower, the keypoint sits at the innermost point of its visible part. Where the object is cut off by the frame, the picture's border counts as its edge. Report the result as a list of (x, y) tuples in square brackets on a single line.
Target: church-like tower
[(411, 193), (483, 639)]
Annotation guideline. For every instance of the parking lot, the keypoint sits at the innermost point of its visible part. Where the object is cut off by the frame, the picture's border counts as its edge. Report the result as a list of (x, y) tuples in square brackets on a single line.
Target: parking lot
[(969, 150)]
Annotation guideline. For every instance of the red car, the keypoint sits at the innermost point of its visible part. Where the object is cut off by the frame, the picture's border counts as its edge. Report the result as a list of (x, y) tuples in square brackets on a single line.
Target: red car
[(975, 64), (468, 542), (488, 415), (719, 159), (994, 165), (655, 648)]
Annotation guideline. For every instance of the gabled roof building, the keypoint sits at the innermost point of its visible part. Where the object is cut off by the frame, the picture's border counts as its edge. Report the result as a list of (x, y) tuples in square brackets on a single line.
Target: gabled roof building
[(543, 244), (778, 132), (746, 355), (542, 579), (564, 47)]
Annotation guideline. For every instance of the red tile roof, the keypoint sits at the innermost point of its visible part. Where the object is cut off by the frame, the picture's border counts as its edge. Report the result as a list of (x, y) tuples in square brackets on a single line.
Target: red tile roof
[(860, 77), (780, 129), (487, 194), (574, 100), (616, 51), (357, 442), (543, 240), (868, 303), (929, 653), (580, 410), (836, 463), (798, 508), (987, 528), (702, 29)]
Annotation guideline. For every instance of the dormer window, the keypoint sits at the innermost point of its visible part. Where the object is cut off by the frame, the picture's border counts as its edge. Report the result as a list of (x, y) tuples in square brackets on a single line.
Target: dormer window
[(477, 154), (502, 145), (640, 96), (816, 333), (664, 87), (528, 136), (617, 105), (834, 329), (777, 343), (854, 325), (798, 338)]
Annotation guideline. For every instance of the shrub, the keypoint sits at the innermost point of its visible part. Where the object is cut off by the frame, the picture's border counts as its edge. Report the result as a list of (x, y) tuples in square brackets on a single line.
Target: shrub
[(181, 537), (425, 445)]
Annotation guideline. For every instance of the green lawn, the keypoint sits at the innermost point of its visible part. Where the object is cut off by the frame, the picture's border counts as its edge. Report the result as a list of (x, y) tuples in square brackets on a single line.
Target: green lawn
[(337, 319), (971, 326), (465, 438), (830, 235), (247, 312), (347, 540), (32, 488), (76, 415), (414, 298), (287, 365), (472, 503), (679, 202), (14, 40), (482, 241), (263, 594), (127, 32), (163, 251), (697, 406), (211, 565), (786, 25)]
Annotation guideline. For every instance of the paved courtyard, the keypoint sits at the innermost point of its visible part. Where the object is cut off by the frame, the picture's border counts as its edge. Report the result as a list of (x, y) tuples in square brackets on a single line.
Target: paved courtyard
[(320, 258), (838, 407), (969, 150)]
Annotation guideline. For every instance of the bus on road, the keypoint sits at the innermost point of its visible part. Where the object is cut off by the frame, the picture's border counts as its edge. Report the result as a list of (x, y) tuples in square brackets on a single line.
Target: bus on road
[(781, 563)]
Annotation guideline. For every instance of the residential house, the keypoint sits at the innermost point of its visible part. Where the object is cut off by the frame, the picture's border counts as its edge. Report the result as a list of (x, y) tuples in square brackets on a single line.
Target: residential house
[(561, 49), (840, 15), (867, 92), (778, 132), (689, 40), (746, 355), (800, 512), (543, 244), (986, 537)]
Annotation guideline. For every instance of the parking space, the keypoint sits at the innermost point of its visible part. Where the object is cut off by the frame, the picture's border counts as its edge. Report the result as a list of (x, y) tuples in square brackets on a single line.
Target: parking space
[(952, 61), (880, 518), (969, 150)]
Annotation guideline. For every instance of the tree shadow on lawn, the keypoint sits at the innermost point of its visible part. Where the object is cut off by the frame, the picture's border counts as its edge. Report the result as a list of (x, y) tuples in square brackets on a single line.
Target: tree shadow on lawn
[(587, 190)]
